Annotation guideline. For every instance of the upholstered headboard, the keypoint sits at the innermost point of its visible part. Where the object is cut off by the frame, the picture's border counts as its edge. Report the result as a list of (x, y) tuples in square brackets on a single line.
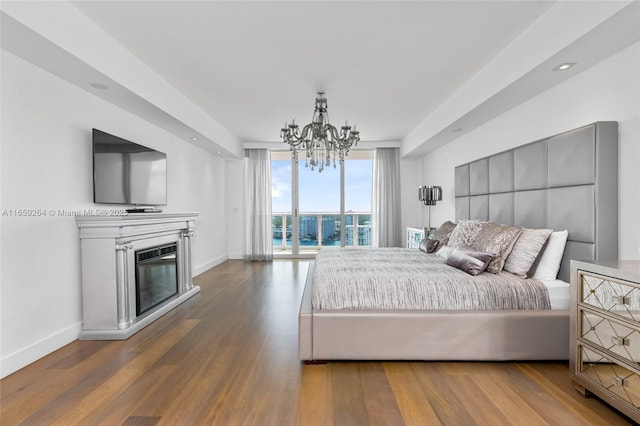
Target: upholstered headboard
[(567, 181)]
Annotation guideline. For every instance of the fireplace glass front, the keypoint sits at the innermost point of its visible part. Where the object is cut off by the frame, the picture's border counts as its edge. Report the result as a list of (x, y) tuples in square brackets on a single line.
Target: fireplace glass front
[(156, 276)]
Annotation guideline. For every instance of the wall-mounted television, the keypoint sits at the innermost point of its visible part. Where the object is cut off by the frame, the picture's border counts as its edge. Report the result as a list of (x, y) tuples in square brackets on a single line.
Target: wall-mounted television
[(125, 172)]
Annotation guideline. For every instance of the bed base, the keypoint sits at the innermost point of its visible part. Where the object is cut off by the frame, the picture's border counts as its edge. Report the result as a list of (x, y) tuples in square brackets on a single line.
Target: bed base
[(430, 335)]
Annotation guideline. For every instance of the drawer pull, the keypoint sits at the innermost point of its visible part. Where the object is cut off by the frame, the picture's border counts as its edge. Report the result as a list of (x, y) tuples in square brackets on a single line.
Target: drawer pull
[(620, 300), (620, 341), (619, 381)]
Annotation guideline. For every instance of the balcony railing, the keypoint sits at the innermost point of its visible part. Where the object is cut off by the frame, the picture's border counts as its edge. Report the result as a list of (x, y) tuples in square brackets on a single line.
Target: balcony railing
[(322, 229)]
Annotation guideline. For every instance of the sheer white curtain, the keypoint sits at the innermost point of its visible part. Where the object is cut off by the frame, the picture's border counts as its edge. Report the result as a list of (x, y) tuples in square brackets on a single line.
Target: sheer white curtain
[(386, 198), (257, 172)]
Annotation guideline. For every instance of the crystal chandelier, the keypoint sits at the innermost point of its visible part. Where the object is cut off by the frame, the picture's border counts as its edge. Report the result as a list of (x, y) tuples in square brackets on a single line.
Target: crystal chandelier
[(321, 142)]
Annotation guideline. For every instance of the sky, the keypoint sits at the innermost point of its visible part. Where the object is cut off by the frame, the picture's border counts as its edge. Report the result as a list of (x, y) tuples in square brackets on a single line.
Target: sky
[(320, 192)]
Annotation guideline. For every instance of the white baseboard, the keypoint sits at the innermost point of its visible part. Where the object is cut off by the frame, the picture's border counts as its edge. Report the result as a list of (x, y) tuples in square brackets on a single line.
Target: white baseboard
[(239, 256), (215, 262), (25, 356)]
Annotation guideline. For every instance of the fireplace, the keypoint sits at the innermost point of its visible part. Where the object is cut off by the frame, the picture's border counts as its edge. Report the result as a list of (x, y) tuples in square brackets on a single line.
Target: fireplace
[(156, 276), (135, 269)]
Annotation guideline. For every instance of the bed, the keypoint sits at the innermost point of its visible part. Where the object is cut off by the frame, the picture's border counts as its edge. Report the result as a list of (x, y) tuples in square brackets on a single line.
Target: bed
[(563, 182)]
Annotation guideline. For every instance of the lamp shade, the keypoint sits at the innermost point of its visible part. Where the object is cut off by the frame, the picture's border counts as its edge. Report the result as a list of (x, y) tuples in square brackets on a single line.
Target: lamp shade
[(421, 193), (430, 194)]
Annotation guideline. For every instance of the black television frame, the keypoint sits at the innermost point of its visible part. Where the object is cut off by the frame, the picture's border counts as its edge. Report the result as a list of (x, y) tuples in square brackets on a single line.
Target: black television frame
[(136, 147)]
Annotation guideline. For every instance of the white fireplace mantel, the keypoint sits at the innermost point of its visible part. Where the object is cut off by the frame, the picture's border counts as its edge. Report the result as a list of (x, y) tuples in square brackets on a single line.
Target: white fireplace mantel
[(108, 245)]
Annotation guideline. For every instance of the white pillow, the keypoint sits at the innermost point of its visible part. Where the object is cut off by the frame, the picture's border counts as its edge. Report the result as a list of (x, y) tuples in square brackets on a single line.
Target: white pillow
[(551, 257), (445, 251)]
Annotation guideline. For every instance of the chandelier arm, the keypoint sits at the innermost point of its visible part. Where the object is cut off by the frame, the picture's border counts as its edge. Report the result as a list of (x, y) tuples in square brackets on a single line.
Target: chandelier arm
[(305, 131), (343, 143), (335, 135), (296, 140)]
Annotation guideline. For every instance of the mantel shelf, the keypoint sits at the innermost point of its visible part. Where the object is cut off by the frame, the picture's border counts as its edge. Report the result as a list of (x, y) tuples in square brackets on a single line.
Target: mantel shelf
[(132, 224)]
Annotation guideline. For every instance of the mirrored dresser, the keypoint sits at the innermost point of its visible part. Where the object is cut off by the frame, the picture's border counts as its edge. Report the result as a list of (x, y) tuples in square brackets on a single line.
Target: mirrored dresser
[(605, 333)]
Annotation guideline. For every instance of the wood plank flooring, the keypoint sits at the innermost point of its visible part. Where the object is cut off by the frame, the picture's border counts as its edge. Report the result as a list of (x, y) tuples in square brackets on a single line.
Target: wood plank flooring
[(229, 357)]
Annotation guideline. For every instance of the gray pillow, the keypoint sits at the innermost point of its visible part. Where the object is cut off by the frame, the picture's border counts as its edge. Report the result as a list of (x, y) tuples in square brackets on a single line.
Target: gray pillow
[(443, 233), (429, 246), (526, 250), (470, 261), (497, 240)]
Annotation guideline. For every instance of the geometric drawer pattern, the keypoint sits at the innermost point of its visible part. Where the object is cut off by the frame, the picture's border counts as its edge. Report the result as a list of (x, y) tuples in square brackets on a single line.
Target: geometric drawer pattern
[(605, 333), (612, 336), (612, 296), (615, 378)]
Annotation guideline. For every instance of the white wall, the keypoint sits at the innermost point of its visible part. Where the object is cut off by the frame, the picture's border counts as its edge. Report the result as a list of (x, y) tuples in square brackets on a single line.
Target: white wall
[(235, 209), (608, 91), (47, 164)]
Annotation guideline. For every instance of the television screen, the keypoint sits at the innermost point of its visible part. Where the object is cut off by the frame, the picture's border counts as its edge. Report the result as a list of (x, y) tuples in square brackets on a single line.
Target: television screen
[(127, 173)]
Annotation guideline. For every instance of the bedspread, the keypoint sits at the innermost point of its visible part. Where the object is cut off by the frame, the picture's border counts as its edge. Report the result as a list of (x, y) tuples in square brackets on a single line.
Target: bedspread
[(399, 278)]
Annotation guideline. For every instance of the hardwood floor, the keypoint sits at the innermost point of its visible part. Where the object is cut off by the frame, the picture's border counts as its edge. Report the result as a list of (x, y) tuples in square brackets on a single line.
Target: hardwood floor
[(229, 357)]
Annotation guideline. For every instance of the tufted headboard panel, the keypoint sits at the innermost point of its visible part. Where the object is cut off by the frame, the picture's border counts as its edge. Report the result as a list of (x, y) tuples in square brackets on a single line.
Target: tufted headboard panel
[(567, 181)]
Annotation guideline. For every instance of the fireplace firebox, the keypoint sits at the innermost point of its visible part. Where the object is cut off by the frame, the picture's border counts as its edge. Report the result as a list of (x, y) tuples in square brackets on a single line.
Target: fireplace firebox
[(156, 276)]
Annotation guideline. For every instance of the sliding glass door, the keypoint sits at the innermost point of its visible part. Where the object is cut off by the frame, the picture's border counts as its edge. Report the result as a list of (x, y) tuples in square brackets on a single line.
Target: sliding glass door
[(358, 182), (313, 209), (318, 207)]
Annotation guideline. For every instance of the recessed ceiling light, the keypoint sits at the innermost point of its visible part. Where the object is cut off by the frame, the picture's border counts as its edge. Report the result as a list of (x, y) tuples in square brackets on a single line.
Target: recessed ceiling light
[(564, 66), (458, 129), (193, 138), (98, 86), (218, 152)]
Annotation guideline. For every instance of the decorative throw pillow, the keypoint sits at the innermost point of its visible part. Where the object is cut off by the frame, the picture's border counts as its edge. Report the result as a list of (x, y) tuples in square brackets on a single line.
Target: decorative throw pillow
[(465, 233), (444, 251), (525, 251), (497, 240), (429, 246), (470, 261), (552, 256), (443, 233)]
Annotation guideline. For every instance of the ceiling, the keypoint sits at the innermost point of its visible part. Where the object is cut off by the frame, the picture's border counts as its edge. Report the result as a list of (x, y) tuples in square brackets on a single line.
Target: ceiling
[(387, 65), (254, 65)]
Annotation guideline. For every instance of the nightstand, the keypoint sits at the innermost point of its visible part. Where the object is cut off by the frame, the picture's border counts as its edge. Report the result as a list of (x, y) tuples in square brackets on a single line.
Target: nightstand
[(605, 332), (415, 235)]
